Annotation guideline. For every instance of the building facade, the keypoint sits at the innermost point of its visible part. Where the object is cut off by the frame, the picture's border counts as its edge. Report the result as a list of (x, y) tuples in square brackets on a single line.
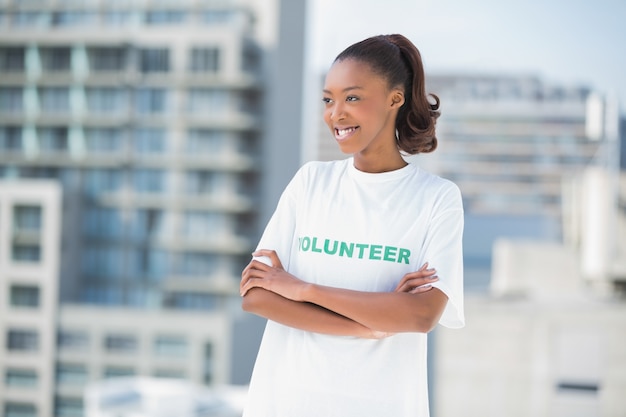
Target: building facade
[(30, 214), (151, 116)]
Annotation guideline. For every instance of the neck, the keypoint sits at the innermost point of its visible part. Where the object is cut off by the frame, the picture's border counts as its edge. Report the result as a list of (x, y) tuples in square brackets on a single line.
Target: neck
[(378, 163)]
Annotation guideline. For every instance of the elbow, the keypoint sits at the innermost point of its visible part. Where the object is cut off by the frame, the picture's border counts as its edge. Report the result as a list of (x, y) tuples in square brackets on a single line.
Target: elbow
[(429, 311), (425, 324), (251, 301), (429, 325)]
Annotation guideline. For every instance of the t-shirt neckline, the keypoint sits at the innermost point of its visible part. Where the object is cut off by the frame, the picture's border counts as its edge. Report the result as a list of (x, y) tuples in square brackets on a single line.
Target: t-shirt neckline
[(379, 176)]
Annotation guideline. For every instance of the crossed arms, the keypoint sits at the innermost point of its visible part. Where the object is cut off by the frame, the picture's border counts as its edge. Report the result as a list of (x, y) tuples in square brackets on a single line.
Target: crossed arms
[(273, 293)]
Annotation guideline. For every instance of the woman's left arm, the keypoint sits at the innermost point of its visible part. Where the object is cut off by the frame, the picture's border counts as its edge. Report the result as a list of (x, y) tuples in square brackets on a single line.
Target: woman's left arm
[(404, 310), (391, 312)]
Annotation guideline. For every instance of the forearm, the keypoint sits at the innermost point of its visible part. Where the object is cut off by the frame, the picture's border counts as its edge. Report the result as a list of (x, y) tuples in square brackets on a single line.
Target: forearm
[(386, 312), (301, 315)]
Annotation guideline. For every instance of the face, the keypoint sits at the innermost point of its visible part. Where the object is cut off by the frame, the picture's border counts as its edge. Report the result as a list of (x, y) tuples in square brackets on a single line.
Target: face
[(360, 109)]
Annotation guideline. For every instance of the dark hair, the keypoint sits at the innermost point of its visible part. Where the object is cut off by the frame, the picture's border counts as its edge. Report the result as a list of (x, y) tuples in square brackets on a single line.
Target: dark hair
[(395, 58)]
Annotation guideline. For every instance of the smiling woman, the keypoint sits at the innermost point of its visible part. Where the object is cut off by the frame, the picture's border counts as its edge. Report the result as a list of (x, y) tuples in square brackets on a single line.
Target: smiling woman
[(345, 270)]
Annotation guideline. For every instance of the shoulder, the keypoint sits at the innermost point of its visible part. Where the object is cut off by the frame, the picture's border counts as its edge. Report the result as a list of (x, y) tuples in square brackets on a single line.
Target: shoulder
[(446, 192), (321, 169)]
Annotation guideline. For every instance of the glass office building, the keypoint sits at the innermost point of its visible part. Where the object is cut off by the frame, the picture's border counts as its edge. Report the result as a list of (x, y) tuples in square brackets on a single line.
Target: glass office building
[(149, 116)]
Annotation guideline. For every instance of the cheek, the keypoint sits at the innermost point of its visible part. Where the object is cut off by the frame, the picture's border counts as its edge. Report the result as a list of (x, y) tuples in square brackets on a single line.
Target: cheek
[(327, 117)]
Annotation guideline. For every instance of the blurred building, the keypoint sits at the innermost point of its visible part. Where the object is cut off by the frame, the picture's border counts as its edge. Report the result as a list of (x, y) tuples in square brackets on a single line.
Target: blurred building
[(30, 214), (152, 118), (151, 397), (548, 339)]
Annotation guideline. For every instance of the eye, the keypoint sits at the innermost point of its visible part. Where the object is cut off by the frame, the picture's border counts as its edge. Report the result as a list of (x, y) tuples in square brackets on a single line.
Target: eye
[(352, 98), (327, 100)]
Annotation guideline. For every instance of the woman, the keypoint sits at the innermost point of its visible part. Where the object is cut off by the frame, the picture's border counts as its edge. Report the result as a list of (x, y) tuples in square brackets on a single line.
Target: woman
[(362, 257)]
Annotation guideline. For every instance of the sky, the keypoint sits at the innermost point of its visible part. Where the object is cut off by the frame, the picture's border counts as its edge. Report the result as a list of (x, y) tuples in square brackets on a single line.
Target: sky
[(564, 42)]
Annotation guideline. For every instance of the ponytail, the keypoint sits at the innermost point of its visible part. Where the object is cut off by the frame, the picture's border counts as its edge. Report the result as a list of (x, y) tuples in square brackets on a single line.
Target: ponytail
[(398, 60)]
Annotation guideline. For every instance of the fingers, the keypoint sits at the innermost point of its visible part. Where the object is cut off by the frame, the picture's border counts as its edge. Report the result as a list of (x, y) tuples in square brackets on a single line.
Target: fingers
[(271, 254), (250, 278), (253, 270), (419, 278), (421, 289)]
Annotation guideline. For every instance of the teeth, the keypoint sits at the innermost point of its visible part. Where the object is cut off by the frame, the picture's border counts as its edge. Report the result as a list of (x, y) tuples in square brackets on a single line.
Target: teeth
[(342, 132)]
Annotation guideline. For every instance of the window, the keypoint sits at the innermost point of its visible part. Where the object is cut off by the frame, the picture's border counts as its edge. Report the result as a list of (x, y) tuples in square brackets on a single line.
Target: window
[(53, 139), (101, 294), (54, 99), (149, 140), (72, 340), (11, 100), (149, 181), (22, 340), (160, 17), (22, 378), (170, 346), (71, 374), (197, 264), (218, 16), (107, 100), (117, 372), (68, 407), (204, 60), (12, 59), (103, 222), (68, 18), (103, 261), (10, 138), (120, 343), (116, 17), (15, 409), (206, 100), (154, 60), (23, 252), (56, 59), (26, 225), (203, 141), (201, 182), (98, 181), (26, 19), (191, 301), (147, 223), (107, 59), (103, 140), (148, 262), (208, 363), (27, 218), (251, 61), (198, 224), (151, 100), (169, 373), (24, 296)]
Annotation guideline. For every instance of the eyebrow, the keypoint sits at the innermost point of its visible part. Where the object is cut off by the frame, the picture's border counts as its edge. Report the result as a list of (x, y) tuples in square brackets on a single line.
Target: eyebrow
[(354, 87)]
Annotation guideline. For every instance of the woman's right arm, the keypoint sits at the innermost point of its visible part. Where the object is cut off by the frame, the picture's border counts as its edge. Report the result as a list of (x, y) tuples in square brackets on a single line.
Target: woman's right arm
[(303, 316)]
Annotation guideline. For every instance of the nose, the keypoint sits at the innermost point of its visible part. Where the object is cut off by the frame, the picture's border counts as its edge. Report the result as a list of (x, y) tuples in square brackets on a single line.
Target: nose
[(337, 112)]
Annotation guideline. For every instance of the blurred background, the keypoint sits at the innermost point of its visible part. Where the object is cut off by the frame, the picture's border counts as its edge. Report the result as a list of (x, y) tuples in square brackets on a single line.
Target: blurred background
[(145, 143)]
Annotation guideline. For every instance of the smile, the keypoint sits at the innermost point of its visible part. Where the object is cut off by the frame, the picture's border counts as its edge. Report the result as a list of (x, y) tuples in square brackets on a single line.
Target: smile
[(341, 134)]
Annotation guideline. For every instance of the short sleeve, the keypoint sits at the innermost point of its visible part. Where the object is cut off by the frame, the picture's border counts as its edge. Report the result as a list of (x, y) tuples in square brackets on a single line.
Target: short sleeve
[(443, 250), (279, 231)]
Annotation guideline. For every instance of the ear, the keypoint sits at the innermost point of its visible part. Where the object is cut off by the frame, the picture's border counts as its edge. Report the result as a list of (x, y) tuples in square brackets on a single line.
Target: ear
[(397, 98)]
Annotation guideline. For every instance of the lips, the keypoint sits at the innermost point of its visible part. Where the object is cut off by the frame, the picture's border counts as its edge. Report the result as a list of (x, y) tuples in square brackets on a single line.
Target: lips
[(343, 133)]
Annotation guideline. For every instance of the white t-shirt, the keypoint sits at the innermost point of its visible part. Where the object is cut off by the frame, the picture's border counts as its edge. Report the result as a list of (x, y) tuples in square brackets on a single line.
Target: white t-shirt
[(340, 227)]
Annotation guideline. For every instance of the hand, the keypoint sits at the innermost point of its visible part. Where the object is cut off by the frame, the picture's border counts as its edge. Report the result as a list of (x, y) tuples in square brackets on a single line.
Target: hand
[(418, 281), (271, 277), (378, 335)]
